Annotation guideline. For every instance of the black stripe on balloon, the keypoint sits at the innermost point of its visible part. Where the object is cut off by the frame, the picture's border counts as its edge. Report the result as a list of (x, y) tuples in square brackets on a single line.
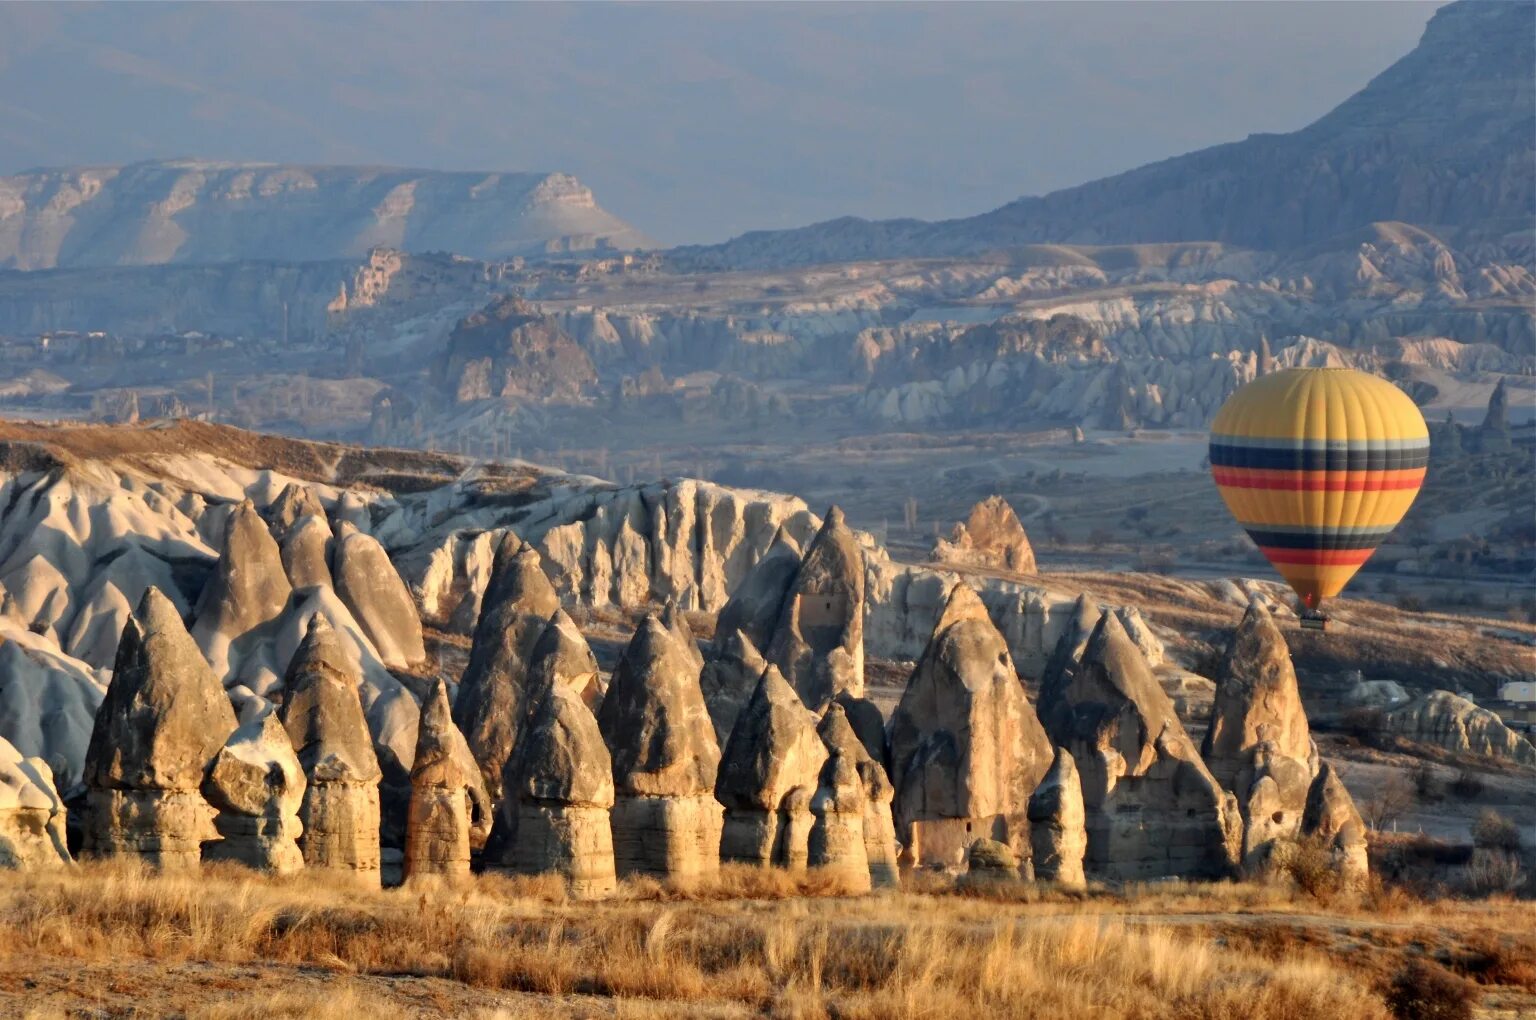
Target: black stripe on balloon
[(1321, 539), (1225, 455)]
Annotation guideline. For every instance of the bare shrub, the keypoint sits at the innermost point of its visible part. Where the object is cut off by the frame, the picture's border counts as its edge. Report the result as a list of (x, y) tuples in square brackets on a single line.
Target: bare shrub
[(1427, 991), (1388, 802), (1492, 873), (1310, 864), (1492, 831)]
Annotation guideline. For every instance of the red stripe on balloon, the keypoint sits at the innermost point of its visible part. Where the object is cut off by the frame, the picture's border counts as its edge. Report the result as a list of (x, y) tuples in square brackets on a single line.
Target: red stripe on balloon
[(1317, 557), (1319, 481)]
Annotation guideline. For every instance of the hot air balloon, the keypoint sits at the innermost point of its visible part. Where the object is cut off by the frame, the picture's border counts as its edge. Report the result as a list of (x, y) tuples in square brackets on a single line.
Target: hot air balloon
[(1318, 465)]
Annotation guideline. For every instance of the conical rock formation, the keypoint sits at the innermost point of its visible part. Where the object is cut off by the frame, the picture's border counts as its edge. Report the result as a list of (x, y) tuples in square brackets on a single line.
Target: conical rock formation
[(966, 747), (818, 643), (1057, 822), (324, 719), (245, 593), (157, 731), (257, 786), (560, 787), (448, 800), (666, 821), (768, 773)]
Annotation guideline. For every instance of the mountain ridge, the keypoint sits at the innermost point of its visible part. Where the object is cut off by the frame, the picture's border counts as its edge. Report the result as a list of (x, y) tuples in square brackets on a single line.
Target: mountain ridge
[(1444, 137), (187, 210)]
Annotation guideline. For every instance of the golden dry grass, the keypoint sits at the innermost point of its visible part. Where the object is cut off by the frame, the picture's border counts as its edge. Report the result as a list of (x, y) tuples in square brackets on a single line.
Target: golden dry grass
[(219, 945)]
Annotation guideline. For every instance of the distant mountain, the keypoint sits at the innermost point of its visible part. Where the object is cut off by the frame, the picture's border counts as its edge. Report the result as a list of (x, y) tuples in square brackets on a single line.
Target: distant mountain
[(1444, 138), (188, 211)]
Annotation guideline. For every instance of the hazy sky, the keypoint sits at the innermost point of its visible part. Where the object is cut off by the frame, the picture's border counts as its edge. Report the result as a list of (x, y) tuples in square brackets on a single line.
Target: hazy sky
[(694, 122)]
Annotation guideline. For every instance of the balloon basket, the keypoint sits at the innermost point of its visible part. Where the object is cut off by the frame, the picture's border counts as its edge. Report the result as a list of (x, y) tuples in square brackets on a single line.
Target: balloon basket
[(1311, 619)]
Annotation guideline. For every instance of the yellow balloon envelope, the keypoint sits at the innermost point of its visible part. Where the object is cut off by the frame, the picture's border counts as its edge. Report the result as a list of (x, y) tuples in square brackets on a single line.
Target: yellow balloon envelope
[(1318, 465)]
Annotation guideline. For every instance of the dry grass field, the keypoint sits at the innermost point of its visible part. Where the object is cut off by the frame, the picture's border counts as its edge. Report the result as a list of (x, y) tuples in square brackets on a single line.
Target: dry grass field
[(110, 940)]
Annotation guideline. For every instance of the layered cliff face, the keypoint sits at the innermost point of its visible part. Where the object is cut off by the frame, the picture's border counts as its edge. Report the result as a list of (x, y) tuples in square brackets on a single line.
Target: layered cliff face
[(1444, 136), (508, 349), (193, 212)]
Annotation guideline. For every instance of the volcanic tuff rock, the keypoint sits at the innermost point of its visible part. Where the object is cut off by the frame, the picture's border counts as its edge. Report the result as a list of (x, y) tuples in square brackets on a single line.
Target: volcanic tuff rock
[(1445, 135), (666, 821), (768, 775), (192, 211), (1154, 809), (293, 504), (559, 791), (366, 581), (1057, 820), (304, 549), (257, 786), (1331, 817), (31, 813), (966, 747), (990, 537), (819, 641), (247, 591), (989, 862), (562, 658), (157, 732), (1456, 724), (493, 694), (834, 824), (1258, 744), (728, 679), (448, 799), (508, 349), (324, 720)]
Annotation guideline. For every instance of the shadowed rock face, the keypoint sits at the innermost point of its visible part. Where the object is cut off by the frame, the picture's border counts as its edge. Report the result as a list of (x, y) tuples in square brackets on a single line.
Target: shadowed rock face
[(292, 505), (562, 659), (245, 593), (991, 538), (819, 642), (1056, 824), (755, 604), (492, 698), (304, 550), (559, 791), (31, 813), (448, 800), (162, 722), (1331, 816), (1067, 656), (966, 747), (728, 679), (1153, 808), (257, 787), (666, 821), (324, 719), (768, 775), (852, 808), (367, 583), (1258, 744)]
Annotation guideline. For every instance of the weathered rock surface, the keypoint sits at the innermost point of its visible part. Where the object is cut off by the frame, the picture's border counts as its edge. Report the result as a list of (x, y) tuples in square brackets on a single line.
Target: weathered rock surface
[(292, 505), (991, 538), (157, 732), (304, 549), (768, 774), (990, 862), (31, 813), (324, 719), (562, 658), (559, 791), (1057, 824), (492, 699), (1258, 744), (853, 783), (1456, 724), (729, 678), (1153, 808), (757, 601), (1331, 816), (257, 787), (367, 583), (448, 799), (666, 821), (246, 592), (819, 642), (966, 747)]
